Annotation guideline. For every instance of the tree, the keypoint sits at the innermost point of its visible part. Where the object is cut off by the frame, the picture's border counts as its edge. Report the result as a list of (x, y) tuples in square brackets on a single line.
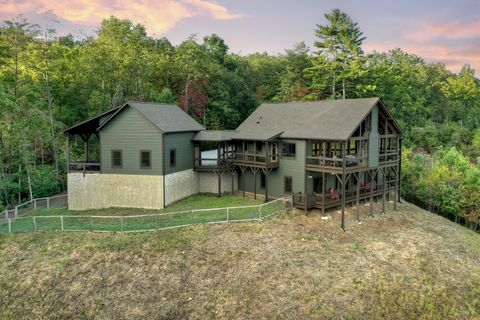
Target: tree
[(293, 82), (339, 44)]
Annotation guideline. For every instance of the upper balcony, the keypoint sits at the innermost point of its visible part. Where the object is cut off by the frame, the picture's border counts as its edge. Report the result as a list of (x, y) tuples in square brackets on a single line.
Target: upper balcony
[(327, 156), (256, 154)]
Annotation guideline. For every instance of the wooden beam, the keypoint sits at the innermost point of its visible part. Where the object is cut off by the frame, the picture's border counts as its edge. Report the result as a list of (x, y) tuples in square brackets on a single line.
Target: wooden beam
[(306, 175), (343, 184), (358, 196), (399, 170), (323, 192), (384, 181), (267, 146), (68, 152), (255, 170), (371, 191), (218, 171)]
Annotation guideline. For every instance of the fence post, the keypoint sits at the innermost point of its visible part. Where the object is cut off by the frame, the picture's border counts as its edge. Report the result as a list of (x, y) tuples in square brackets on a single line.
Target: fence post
[(9, 225), (16, 212), (227, 213), (260, 212), (48, 203), (35, 223), (35, 204), (91, 224), (61, 222)]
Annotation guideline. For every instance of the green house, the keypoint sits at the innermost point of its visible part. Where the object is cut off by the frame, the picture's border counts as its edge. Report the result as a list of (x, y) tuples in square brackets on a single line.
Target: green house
[(322, 154)]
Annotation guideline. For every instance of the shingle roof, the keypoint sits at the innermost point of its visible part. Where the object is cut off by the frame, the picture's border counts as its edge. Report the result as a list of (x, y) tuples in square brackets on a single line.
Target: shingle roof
[(214, 135), (167, 117), (91, 124), (327, 119)]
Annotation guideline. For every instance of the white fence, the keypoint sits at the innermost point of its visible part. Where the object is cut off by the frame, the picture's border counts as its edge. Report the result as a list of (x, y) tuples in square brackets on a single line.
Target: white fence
[(145, 222), (59, 201)]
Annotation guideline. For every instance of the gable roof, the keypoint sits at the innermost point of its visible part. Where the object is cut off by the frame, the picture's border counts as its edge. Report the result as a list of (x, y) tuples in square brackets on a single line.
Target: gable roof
[(91, 124), (326, 119), (214, 135), (167, 117)]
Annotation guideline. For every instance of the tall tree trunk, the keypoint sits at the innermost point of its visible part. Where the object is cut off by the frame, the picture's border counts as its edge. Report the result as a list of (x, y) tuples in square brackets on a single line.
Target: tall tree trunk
[(343, 89), (29, 183), (19, 184), (187, 84)]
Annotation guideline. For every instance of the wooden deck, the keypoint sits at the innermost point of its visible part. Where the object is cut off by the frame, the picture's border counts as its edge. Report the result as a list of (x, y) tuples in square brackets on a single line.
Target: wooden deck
[(318, 202)]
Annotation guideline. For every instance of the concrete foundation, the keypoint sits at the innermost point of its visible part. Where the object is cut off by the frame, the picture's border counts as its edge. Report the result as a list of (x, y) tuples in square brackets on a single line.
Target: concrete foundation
[(208, 182), (96, 191), (180, 185)]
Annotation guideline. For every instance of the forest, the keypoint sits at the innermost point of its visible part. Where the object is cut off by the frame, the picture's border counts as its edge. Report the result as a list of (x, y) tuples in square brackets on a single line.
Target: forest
[(49, 82)]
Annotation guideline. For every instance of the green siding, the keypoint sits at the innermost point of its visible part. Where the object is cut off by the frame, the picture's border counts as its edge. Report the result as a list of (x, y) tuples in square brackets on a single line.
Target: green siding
[(182, 143), (287, 167), (131, 132), (373, 139)]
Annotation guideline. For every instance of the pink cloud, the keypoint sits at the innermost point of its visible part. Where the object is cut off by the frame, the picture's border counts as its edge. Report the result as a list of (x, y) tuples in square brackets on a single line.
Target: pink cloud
[(447, 30), (158, 15)]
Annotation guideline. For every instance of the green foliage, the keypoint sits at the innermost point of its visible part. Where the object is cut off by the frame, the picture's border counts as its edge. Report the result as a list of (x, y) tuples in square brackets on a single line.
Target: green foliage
[(44, 182), (48, 83), (446, 183)]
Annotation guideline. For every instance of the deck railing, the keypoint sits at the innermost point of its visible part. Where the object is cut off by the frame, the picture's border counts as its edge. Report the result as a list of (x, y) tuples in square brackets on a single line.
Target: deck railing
[(85, 167)]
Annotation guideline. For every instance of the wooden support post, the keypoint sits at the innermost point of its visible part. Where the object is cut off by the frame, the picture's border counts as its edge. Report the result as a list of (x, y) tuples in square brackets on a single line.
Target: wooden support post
[(254, 183), (399, 161), (219, 172), (358, 196), (323, 192), (371, 173), (395, 190), (343, 184), (306, 176), (67, 156), (266, 184), (233, 182), (243, 181), (384, 181), (267, 155)]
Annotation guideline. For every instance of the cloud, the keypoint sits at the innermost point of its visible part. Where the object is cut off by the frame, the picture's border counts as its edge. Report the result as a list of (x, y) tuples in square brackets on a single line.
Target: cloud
[(453, 43), (159, 16), (446, 30)]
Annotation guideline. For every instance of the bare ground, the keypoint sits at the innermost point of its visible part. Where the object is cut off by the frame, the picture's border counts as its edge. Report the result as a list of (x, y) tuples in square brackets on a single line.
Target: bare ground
[(408, 264)]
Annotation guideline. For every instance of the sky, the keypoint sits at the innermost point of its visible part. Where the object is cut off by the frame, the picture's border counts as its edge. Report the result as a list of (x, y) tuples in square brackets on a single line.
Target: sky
[(438, 30)]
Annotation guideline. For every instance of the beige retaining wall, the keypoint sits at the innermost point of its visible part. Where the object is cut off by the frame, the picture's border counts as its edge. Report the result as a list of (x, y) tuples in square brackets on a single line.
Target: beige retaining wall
[(208, 182), (180, 185), (96, 191)]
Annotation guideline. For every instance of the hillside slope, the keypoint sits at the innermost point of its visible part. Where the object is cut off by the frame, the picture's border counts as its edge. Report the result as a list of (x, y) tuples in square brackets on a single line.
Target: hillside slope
[(406, 264)]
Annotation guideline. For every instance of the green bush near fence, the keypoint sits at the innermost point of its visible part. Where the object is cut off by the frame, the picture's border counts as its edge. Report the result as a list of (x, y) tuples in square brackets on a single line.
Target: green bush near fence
[(140, 222)]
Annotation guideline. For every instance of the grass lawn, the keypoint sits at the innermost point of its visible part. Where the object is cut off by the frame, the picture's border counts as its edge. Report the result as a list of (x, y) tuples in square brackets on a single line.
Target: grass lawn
[(49, 219), (409, 264)]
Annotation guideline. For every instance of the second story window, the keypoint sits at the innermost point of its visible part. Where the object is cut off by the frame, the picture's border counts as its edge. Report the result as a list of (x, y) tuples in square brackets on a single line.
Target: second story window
[(173, 158), (289, 150), (145, 159), (117, 161)]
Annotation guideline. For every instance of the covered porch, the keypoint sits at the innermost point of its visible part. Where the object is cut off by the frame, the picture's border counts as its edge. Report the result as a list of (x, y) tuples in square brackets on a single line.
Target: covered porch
[(327, 190), (83, 144)]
